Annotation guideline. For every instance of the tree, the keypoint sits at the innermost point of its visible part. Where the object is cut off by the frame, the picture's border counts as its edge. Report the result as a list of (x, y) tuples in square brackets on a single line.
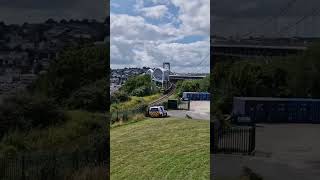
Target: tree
[(140, 85), (91, 97), (75, 68)]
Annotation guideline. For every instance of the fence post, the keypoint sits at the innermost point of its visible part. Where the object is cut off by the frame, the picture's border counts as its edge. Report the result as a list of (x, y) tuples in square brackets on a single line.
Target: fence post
[(215, 140), (54, 166), (117, 116), (216, 127), (75, 160), (253, 137), (23, 175)]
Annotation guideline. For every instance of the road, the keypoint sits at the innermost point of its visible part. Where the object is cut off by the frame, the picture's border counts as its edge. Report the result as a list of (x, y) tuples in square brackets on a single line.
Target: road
[(198, 110), (282, 151)]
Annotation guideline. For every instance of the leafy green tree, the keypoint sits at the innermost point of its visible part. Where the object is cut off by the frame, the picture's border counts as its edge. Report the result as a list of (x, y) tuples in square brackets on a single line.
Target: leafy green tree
[(201, 85), (91, 97), (73, 69), (140, 85), (119, 96), (291, 76)]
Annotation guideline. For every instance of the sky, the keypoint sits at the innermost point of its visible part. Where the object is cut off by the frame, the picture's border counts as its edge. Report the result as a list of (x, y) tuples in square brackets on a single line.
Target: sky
[(37, 11), (265, 17), (150, 32)]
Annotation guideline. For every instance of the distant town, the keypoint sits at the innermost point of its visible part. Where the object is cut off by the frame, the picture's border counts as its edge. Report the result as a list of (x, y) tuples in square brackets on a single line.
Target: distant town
[(119, 76), (26, 50)]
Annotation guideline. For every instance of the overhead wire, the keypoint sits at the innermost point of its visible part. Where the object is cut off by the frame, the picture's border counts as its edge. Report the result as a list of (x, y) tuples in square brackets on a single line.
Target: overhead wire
[(315, 12), (283, 11)]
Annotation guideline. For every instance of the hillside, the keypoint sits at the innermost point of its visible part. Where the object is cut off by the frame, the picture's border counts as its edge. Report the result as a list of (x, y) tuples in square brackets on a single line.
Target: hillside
[(161, 149)]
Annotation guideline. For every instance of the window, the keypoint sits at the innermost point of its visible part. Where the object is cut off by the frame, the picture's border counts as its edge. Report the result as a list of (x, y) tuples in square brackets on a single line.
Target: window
[(153, 109)]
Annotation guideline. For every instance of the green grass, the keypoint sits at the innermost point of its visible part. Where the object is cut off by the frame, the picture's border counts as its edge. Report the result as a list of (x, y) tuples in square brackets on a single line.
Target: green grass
[(174, 96), (134, 101), (161, 149)]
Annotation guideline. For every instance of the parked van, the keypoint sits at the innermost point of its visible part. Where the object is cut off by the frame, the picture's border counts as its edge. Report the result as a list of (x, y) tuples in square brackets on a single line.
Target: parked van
[(157, 111)]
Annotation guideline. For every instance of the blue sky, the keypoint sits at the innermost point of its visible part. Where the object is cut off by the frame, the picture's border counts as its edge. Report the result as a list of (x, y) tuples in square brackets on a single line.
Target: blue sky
[(149, 32)]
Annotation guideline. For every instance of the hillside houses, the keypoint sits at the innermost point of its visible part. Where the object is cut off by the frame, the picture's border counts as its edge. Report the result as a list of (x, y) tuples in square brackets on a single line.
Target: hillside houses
[(27, 50)]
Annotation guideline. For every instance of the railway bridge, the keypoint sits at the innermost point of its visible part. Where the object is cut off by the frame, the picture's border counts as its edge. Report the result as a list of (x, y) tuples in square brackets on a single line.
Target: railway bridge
[(254, 50), (164, 78)]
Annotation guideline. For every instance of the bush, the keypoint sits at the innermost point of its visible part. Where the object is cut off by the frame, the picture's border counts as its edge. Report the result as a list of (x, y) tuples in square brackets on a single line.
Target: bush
[(141, 91), (119, 96), (139, 86), (25, 111), (75, 67), (82, 130), (201, 85), (92, 97)]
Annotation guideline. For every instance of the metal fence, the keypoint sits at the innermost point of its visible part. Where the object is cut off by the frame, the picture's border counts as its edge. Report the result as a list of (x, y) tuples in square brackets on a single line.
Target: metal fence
[(48, 166), (54, 165), (237, 139), (124, 115)]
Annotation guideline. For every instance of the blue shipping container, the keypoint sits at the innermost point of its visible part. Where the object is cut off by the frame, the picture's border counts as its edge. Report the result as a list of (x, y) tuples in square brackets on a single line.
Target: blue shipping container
[(196, 96), (277, 110)]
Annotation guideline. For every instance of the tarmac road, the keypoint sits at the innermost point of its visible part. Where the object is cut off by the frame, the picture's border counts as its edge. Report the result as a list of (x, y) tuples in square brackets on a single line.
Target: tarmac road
[(198, 110), (283, 151)]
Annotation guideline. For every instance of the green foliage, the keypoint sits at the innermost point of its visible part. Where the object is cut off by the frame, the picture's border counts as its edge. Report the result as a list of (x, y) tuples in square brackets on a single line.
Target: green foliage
[(119, 97), (202, 85), (133, 102), (140, 85), (74, 134), (25, 111), (90, 97), (292, 76), (141, 91), (73, 69)]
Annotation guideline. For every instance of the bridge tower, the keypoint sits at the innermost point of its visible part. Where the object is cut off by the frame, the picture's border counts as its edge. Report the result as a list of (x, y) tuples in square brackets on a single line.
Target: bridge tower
[(166, 65)]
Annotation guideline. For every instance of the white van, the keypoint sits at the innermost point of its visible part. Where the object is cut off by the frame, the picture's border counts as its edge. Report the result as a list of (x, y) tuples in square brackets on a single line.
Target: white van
[(157, 111)]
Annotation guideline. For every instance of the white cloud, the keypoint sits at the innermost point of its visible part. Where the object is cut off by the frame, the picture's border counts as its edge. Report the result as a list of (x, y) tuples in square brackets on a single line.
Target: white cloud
[(135, 42), (155, 12), (195, 16), (136, 28)]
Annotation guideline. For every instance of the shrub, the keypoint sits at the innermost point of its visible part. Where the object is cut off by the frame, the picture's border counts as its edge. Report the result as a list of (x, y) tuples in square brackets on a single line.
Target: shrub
[(74, 68), (120, 96), (92, 97), (136, 82), (141, 91), (25, 111)]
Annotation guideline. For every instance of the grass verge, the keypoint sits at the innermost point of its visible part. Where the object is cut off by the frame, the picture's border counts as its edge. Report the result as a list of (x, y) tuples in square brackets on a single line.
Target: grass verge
[(133, 102), (167, 148), (67, 136)]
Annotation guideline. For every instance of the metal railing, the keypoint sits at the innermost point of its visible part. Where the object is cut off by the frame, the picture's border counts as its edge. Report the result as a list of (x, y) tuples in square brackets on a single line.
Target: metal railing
[(49, 166), (238, 139)]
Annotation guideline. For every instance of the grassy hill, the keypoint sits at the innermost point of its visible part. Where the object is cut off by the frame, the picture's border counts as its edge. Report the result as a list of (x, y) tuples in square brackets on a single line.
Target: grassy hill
[(134, 101), (161, 149)]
